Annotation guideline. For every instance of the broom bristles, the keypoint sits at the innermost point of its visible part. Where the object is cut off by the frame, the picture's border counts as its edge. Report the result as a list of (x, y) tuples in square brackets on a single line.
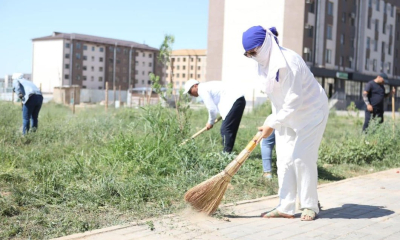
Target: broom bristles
[(206, 196)]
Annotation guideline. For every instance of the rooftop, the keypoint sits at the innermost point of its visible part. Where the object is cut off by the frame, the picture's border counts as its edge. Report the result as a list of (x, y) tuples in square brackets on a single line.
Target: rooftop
[(94, 39), (189, 52)]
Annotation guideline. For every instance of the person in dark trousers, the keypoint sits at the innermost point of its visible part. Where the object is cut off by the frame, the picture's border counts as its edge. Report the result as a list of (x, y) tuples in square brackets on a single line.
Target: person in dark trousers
[(31, 98), (222, 98), (374, 95)]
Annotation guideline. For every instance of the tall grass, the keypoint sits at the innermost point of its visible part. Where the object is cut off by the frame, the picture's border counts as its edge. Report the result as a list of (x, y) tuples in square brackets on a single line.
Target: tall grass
[(95, 169)]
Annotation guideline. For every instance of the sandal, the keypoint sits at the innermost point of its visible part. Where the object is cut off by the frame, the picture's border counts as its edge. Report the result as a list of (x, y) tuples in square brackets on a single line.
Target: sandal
[(308, 215), (275, 214)]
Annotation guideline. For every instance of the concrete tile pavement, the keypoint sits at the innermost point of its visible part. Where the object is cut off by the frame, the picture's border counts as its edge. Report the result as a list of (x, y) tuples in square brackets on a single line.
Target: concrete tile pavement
[(366, 207)]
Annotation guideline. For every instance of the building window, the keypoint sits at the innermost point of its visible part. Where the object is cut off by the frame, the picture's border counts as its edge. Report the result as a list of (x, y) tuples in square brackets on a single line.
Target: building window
[(329, 32), (84, 47), (199, 59), (375, 45), (370, 3), (183, 75), (92, 78), (342, 39), (92, 68), (136, 54), (118, 61), (310, 31), (191, 59), (344, 17), (350, 62), (381, 68), (178, 59), (111, 49), (66, 76), (341, 61), (78, 77), (377, 5), (78, 56), (376, 25), (136, 62), (384, 28), (388, 67), (198, 76), (366, 64), (390, 49), (143, 64), (67, 66), (84, 67), (183, 67), (78, 66), (390, 30), (100, 79), (191, 75), (177, 75), (312, 6), (198, 68), (150, 64), (150, 55), (191, 67), (100, 69), (369, 23), (374, 62), (383, 47), (67, 55), (67, 45), (92, 59), (392, 11), (328, 56), (142, 72), (101, 59), (142, 81), (330, 8), (84, 57), (101, 49), (136, 72), (184, 59), (177, 67), (78, 46)]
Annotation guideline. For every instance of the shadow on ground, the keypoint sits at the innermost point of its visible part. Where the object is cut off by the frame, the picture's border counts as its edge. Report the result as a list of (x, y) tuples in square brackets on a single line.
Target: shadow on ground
[(326, 175), (355, 211)]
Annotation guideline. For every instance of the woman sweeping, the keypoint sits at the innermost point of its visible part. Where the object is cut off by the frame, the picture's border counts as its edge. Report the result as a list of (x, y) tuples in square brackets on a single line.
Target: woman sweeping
[(299, 115)]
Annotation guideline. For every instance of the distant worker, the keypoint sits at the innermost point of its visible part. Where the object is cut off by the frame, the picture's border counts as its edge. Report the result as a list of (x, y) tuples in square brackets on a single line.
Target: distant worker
[(222, 98), (374, 95), (31, 99)]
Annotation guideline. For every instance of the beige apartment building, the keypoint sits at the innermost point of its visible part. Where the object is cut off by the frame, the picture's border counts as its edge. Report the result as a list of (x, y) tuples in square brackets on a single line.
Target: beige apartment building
[(345, 43), (90, 61), (186, 64)]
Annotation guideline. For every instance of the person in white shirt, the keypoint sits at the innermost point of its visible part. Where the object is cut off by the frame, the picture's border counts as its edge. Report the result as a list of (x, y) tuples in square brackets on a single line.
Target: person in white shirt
[(299, 115), (222, 98)]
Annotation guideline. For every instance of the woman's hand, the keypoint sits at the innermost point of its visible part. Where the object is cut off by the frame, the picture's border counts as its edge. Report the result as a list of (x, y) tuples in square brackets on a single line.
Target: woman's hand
[(266, 131)]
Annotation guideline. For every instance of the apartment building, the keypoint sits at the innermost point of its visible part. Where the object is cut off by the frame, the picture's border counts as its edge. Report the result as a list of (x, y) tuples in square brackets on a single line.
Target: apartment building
[(186, 64), (346, 43), (90, 61)]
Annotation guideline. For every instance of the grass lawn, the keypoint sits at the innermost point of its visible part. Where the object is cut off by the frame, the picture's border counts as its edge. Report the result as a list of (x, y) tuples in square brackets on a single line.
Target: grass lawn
[(96, 169)]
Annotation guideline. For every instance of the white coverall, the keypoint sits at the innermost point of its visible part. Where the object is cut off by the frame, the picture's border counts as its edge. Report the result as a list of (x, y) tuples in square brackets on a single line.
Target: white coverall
[(299, 115)]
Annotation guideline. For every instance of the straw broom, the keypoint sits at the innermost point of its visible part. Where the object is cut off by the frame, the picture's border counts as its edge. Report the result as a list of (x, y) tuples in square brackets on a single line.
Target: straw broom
[(199, 132), (207, 196)]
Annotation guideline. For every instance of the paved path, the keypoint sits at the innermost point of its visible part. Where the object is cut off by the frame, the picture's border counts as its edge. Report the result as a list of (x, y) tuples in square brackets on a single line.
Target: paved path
[(366, 207)]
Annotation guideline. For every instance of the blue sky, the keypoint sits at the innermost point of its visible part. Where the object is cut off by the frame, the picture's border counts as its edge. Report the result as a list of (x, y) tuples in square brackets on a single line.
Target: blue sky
[(142, 21)]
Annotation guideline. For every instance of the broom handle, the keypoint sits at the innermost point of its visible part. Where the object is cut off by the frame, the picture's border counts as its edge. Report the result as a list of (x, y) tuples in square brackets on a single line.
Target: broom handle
[(200, 132), (249, 148)]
